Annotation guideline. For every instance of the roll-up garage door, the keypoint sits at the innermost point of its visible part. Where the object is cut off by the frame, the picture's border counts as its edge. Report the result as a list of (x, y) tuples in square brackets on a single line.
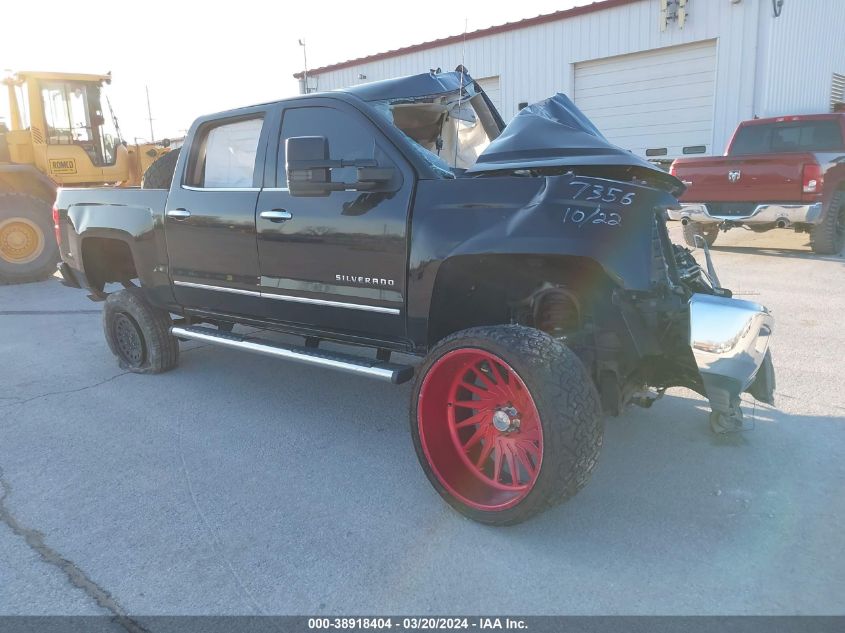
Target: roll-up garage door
[(655, 103)]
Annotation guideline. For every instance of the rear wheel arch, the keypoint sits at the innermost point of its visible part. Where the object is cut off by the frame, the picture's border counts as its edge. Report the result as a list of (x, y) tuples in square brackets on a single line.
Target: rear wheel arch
[(107, 258)]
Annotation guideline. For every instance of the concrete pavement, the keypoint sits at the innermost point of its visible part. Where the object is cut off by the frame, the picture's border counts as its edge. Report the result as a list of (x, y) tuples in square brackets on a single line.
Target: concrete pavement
[(238, 484)]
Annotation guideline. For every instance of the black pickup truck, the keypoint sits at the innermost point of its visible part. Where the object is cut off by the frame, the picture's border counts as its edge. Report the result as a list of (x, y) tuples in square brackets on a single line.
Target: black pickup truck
[(528, 265)]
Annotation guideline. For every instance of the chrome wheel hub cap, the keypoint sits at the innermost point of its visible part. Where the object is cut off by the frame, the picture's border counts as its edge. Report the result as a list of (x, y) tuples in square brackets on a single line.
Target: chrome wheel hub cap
[(505, 420)]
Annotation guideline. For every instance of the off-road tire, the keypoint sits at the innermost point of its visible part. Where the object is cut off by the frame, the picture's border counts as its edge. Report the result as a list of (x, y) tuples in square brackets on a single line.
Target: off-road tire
[(159, 175), (828, 237), (708, 231), (36, 213), (128, 308), (566, 399)]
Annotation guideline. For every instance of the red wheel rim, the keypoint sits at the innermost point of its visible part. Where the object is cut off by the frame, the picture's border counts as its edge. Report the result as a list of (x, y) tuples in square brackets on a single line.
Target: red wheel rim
[(480, 429)]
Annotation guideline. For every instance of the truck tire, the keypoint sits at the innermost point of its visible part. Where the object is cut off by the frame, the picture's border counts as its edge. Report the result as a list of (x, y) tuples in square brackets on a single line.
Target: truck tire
[(139, 334), (159, 175), (28, 249), (708, 231), (506, 422), (828, 237)]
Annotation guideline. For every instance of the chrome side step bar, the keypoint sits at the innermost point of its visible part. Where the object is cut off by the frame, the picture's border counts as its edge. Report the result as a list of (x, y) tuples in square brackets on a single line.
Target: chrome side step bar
[(372, 368)]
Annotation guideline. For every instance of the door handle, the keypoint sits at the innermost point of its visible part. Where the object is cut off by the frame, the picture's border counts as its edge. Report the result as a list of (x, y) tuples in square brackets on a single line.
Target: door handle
[(179, 214), (276, 215)]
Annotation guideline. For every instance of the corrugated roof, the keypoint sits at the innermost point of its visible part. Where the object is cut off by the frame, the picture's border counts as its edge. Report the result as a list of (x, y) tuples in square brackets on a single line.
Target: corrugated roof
[(493, 30)]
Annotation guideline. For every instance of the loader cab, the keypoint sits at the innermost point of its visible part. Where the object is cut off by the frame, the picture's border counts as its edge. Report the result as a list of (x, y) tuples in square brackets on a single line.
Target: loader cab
[(74, 114), (63, 124)]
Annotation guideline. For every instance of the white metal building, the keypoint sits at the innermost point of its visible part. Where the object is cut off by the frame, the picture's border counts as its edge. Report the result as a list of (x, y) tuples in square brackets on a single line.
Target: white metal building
[(662, 78)]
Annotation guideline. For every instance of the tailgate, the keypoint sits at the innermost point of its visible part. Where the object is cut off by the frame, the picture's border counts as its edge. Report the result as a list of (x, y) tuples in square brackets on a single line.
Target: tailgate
[(752, 178)]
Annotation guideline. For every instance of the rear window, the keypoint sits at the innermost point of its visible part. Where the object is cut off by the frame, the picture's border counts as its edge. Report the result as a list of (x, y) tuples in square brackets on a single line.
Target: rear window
[(788, 136), (224, 154)]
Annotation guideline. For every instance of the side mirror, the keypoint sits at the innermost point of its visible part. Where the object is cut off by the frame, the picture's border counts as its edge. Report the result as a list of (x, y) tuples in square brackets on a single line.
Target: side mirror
[(308, 170), (303, 154)]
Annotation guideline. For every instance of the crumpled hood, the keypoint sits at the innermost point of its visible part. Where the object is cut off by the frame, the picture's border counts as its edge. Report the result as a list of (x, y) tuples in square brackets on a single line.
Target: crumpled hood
[(555, 133)]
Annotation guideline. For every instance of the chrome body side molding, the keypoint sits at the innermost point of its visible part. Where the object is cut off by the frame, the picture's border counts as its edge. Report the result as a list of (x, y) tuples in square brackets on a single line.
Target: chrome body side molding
[(292, 298)]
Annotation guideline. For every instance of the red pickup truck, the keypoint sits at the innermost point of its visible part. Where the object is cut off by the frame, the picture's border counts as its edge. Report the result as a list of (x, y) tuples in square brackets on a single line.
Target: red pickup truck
[(783, 172)]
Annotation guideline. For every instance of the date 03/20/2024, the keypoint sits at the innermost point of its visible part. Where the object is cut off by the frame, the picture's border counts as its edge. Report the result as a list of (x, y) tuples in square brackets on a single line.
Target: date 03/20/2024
[(417, 623)]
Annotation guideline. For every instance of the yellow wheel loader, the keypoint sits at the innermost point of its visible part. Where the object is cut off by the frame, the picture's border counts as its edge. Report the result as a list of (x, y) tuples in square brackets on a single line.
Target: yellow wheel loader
[(61, 133)]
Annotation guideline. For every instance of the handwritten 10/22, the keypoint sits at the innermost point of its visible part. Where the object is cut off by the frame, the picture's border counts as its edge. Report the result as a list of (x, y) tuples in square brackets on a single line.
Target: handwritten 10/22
[(580, 217)]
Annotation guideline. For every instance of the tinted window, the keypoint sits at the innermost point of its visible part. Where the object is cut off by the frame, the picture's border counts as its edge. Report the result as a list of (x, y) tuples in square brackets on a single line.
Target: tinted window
[(349, 137), (752, 139), (789, 136), (226, 156)]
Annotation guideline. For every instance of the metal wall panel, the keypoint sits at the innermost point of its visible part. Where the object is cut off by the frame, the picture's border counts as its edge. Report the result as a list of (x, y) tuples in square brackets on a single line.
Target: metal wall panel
[(800, 51), (795, 59)]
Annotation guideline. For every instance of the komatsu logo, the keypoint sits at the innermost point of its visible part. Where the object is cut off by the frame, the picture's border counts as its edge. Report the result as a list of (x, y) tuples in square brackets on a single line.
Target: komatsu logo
[(366, 281)]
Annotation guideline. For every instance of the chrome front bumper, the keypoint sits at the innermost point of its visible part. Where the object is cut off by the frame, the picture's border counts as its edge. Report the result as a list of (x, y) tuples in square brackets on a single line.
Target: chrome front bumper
[(762, 214), (729, 339)]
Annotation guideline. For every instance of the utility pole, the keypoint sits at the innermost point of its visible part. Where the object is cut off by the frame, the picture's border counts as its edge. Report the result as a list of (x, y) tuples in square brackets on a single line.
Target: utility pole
[(305, 67), (150, 115)]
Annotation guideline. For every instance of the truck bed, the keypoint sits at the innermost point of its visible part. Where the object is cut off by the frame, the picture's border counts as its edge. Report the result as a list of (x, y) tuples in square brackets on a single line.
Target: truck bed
[(153, 199), (132, 210), (123, 216)]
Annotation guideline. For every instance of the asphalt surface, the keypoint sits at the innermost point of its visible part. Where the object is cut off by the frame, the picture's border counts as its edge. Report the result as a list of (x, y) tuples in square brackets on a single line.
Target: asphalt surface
[(238, 484)]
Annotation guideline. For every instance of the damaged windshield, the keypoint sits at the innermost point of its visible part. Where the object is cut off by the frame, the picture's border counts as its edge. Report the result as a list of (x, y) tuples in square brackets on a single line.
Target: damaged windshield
[(452, 129)]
